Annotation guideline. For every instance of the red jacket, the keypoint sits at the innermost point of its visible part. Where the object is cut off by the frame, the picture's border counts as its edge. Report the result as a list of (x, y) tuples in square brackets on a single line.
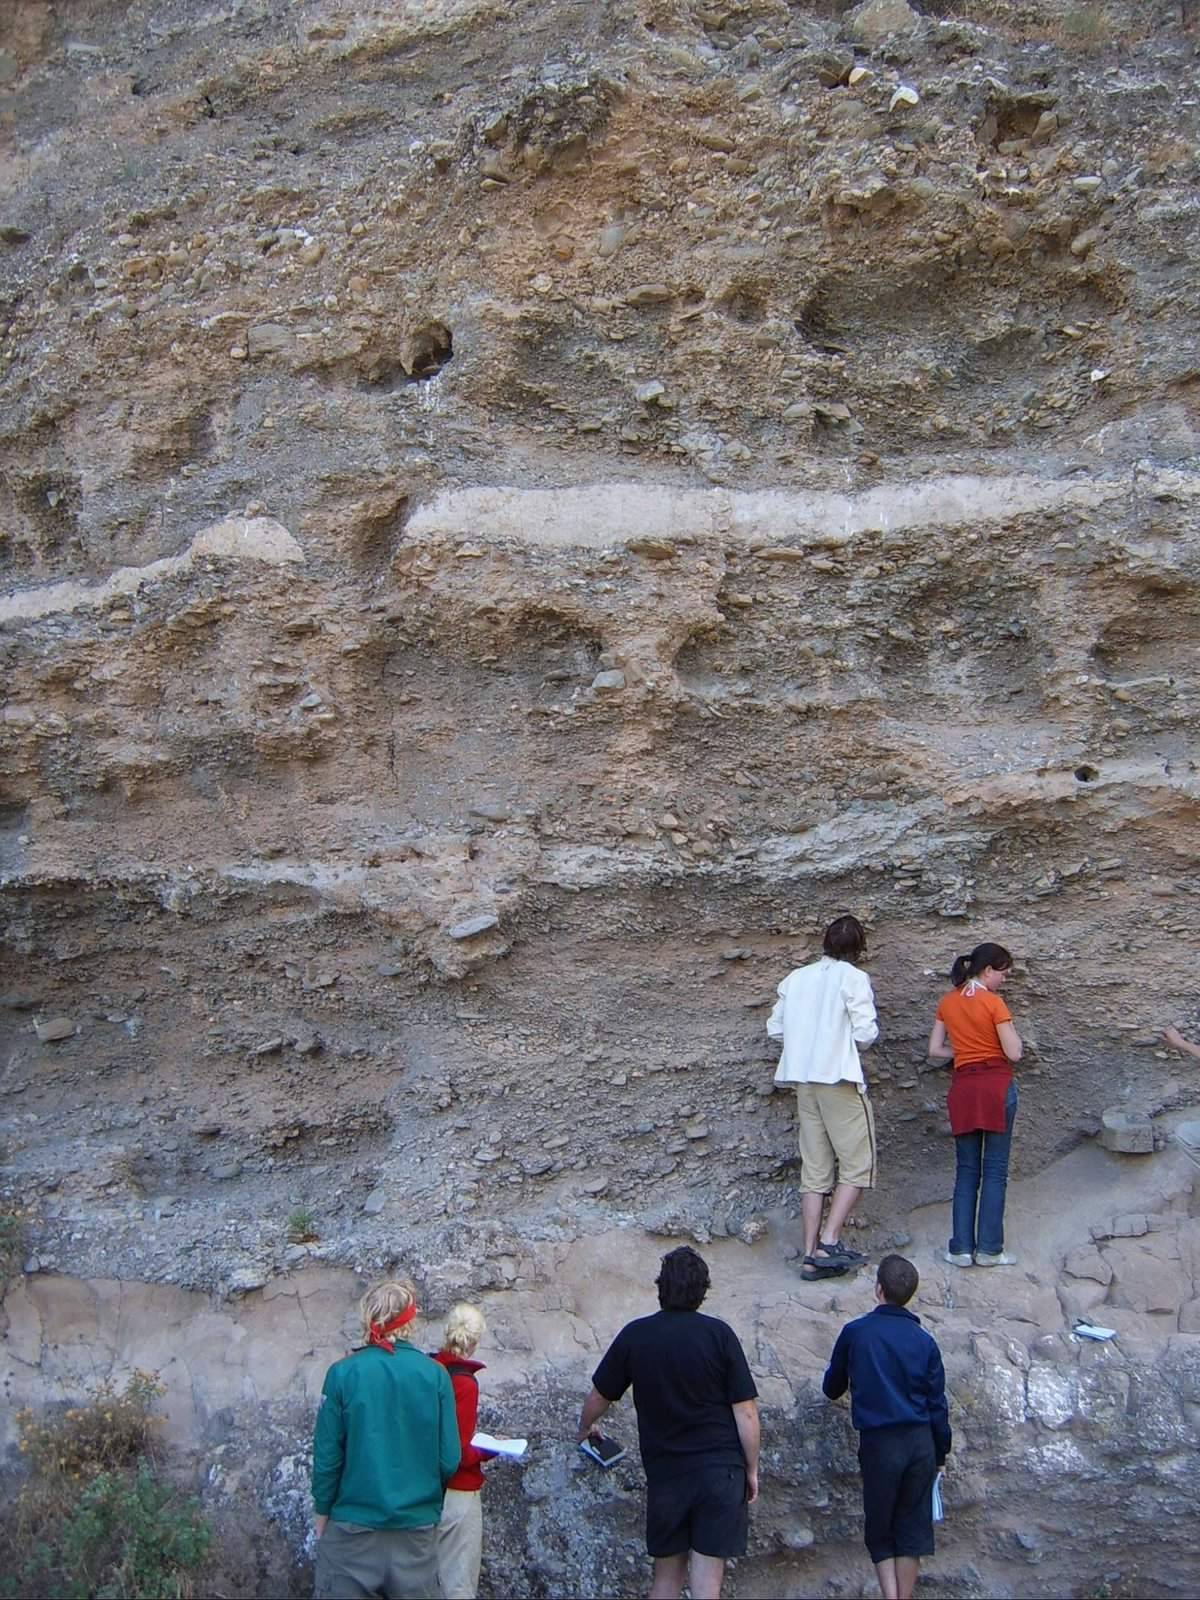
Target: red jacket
[(466, 1403), (978, 1096)]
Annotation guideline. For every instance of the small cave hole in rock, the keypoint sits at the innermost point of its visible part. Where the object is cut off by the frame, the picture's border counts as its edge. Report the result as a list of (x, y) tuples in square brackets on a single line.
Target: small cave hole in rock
[(744, 302), (1086, 774), (427, 350)]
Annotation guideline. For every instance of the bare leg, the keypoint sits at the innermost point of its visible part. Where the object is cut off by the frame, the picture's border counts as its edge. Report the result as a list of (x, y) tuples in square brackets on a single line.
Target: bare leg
[(907, 1568), (705, 1577), (845, 1198), (886, 1573), (670, 1573), (811, 1207)]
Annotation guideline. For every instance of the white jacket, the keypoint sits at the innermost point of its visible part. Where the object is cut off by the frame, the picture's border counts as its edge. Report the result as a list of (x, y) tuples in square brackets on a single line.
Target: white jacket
[(824, 1012)]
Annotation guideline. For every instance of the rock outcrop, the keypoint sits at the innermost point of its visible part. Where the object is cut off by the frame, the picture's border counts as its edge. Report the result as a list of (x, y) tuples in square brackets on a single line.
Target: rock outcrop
[(1070, 1462), (511, 515)]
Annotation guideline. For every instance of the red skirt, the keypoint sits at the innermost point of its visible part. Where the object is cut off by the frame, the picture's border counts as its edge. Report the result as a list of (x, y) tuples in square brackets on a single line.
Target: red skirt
[(978, 1091)]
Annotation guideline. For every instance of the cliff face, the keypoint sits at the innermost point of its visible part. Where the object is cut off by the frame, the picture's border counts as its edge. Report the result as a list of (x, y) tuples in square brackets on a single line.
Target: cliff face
[(514, 514)]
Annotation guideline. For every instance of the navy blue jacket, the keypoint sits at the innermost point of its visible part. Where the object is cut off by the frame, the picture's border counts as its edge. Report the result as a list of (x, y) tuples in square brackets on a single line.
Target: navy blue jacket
[(894, 1372)]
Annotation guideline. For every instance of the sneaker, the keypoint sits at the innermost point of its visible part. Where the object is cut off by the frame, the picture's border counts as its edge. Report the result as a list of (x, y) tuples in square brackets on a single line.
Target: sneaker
[(1001, 1259), (838, 1255), (958, 1258)]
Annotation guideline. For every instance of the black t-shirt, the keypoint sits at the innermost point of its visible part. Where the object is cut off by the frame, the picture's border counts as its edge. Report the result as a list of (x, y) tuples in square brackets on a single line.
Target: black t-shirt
[(687, 1370)]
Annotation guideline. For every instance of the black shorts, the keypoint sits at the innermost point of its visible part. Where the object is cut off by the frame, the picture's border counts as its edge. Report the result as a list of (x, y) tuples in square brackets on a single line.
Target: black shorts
[(898, 1469), (703, 1510)]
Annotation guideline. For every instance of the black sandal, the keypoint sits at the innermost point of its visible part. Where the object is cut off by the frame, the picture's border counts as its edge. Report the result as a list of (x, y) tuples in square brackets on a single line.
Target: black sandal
[(832, 1253), (813, 1271)]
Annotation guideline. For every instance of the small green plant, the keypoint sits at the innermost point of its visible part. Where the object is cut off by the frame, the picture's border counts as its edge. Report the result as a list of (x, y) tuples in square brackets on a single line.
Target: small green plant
[(301, 1225), (1126, 1585), (1088, 26), (12, 1244)]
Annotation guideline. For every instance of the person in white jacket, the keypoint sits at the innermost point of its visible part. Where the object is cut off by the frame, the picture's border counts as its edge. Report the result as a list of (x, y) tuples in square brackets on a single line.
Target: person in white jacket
[(825, 1011)]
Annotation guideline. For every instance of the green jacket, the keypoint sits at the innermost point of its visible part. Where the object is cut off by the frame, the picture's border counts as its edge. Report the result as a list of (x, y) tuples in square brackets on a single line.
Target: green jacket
[(386, 1439)]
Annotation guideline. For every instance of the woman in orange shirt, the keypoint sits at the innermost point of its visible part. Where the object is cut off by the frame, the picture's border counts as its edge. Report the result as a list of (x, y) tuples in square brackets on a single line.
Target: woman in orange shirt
[(975, 1028)]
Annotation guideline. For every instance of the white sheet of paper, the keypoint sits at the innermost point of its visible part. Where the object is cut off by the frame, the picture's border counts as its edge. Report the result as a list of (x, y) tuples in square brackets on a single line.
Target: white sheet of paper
[(939, 1509), (502, 1447)]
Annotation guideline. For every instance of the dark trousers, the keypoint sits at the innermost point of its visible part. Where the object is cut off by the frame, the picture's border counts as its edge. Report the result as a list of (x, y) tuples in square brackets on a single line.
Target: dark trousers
[(981, 1183), (898, 1468)]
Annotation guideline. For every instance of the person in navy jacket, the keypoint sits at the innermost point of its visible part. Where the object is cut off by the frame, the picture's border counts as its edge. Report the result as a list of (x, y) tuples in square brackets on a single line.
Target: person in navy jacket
[(897, 1384)]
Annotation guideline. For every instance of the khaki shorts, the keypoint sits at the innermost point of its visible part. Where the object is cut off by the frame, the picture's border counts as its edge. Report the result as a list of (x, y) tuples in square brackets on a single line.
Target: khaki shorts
[(835, 1131)]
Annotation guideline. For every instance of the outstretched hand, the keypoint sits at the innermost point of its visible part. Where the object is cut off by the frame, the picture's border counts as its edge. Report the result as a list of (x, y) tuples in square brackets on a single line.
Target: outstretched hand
[(1176, 1040)]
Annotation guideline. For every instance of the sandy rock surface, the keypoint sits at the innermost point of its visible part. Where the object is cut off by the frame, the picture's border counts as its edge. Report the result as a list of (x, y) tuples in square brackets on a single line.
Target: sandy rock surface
[(511, 516)]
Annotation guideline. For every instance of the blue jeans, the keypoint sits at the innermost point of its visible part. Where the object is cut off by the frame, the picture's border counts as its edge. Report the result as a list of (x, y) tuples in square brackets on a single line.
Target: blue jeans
[(982, 1178)]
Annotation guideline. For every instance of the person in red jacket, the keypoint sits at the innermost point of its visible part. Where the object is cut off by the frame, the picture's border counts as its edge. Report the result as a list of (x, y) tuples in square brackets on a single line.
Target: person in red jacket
[(460, 1532)]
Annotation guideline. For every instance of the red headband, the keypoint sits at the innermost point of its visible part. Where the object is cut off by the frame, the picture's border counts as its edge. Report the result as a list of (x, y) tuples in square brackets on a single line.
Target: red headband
[(378, 1332)]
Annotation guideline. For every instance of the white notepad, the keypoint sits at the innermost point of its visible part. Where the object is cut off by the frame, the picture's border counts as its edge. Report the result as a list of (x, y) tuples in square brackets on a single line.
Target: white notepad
[(500, 1447)]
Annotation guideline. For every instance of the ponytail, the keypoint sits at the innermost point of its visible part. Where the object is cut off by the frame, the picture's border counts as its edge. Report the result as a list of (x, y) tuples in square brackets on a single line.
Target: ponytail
[(960, 971), (983, 955)]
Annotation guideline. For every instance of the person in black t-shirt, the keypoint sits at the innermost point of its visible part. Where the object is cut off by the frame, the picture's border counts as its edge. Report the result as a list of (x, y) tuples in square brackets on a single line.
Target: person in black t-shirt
[(697, 1414)]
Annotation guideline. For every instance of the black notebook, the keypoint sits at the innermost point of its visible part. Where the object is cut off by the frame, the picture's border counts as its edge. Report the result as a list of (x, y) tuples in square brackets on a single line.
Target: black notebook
[(606, 1451)]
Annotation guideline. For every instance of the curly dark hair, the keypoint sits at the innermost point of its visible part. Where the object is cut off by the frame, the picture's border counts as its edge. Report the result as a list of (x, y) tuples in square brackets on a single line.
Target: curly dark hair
[(682, 1279)]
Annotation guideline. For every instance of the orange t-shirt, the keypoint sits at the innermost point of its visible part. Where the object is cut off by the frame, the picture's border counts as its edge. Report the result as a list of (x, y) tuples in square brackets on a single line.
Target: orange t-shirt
[(971, 1024)]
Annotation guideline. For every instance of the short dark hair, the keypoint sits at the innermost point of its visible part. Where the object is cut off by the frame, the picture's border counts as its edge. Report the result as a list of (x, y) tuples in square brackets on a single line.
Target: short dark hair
[(682, 1279), (845, 939), (898, 1279)]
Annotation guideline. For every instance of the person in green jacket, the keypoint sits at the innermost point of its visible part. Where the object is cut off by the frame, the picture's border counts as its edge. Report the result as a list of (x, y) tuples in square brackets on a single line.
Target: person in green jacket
[(385, 1445)]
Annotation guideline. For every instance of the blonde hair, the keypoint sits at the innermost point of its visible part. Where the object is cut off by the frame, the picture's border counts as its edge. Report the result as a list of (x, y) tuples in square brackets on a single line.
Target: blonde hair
[(384, 1301), (464, 1329)]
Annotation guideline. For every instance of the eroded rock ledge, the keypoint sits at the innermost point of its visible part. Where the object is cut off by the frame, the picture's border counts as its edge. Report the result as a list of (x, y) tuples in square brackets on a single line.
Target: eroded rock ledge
[(510, 516)]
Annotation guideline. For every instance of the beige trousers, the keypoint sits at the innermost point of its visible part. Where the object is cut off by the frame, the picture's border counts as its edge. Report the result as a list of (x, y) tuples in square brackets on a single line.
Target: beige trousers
[(460, 1544)]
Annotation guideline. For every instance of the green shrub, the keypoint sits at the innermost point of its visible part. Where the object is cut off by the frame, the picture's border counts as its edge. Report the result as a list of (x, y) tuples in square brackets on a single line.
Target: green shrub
[(126, 1536), (109, 1430), (94, 1520)]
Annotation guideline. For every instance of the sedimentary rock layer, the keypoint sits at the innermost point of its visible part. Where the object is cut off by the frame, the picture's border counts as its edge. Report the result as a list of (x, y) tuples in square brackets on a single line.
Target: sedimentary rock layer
[(511, 516)]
